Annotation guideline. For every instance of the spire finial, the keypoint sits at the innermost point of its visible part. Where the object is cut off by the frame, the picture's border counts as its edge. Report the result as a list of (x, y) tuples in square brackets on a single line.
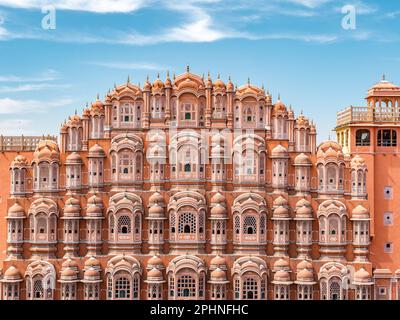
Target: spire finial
[(279, 96), (383, 77), (219, 76), (229, 78), (76, 112), (248, 80), (167, 73), (187, 69), (128, 80), (98, 97), (174, 76), (158, 75), (147, 78), (208, 75)]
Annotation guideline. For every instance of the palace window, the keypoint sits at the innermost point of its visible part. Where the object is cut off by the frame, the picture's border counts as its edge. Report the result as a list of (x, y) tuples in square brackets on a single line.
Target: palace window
[(186, 286), (363, 138), (387, 138), (250, 289)]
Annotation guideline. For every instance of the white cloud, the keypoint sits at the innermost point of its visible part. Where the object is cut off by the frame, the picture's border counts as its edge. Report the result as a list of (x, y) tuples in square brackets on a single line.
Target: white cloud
[(309, 3), (98, 6), (393, 14), (32, 87), (12, 106), (129, 65), (48, 75)]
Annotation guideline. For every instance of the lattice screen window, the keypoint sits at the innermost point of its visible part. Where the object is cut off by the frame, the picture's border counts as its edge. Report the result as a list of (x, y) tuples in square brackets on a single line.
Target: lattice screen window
[(137, 223), (38, 291), (187, 223), (334, 290), (122, 288), (237, 224), (186, 286), (250, 225), (124, 224), (250, 289)]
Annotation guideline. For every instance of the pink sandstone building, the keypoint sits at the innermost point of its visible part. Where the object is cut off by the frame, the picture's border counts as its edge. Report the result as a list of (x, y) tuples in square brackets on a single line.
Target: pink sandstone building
[(194, 189)]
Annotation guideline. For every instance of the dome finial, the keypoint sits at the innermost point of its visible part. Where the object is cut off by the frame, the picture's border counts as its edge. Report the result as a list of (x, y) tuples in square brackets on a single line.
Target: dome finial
[(208, 75), (98, 97), (76, 112), (248, 80), (279, 96), (383, 77), (158, 75), (128, 80), (219, 76), (167, 73), (187, 69)]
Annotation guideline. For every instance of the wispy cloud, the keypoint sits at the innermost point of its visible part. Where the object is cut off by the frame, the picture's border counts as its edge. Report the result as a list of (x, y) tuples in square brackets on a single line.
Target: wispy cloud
[(13, 106), (309, 3), (393, 14), (103, 6), (48, 75), (33, 87)]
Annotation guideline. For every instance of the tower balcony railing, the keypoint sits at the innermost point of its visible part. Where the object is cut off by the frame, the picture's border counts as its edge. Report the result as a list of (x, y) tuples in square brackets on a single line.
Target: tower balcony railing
[(22, 143), (367, 114)]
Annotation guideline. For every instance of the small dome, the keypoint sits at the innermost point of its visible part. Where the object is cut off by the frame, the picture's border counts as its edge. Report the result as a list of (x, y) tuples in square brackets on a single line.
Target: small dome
[(218, 261), (96, 151), (305, 275), (218, 198), (72, 202), (362, 275), (302, 159), (218, 275), (92, 262), (360, 212), (156, 209), (304, 265), (219, 84), (94, 200), (91, 273), (279, 152), (279, 106), (19, 161), (281, 264), (154, 273), (156, 197), (74, 157), (155, 261), (97, 104), (94, 210), (280, 202), (158, 84), (16, 210), (282, 275), (281, 211), (303, 202), (303, 211), (12, 273), (47, 150), (69, 263), (68, 273), (218, 210)]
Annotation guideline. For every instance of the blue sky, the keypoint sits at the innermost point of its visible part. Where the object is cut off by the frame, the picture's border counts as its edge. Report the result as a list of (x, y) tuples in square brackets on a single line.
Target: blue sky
[(297, 48)]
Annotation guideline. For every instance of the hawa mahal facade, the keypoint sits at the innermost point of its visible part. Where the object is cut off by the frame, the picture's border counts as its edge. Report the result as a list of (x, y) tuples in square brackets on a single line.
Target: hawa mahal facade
[(199, 189)]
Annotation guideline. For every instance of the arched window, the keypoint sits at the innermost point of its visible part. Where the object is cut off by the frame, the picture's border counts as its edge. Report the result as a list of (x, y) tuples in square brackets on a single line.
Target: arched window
[(363, 138), (122, 288), (250, 225)]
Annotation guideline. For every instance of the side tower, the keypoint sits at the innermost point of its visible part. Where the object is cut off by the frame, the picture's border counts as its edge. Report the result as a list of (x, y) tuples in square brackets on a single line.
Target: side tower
[(371, 132)]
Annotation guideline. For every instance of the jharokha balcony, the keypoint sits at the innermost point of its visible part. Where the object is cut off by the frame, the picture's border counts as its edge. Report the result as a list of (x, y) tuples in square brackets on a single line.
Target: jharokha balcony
[(367, 114)]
